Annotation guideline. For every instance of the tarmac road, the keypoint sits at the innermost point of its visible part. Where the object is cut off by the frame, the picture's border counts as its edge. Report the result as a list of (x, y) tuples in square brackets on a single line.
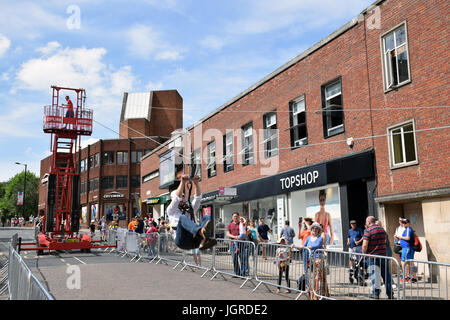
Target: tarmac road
[(104, 276)]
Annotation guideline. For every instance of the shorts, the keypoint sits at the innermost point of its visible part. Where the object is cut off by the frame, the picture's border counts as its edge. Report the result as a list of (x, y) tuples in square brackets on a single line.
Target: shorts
[(357, 249), (195, 251), (407, 254)]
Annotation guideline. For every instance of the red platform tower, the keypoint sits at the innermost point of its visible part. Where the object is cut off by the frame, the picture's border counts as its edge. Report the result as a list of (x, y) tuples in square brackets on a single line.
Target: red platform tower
[(66, 123)]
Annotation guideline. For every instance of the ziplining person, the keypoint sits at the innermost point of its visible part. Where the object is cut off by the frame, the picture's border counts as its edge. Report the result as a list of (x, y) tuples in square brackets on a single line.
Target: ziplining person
[(189, 234)]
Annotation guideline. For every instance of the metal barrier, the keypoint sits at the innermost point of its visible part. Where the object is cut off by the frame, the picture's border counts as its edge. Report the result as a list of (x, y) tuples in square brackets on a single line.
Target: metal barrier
[(22, 284), (431, 280), (269, 270), (168, 250), (131, 245), (111, 239), (339, 274), (232, 257)]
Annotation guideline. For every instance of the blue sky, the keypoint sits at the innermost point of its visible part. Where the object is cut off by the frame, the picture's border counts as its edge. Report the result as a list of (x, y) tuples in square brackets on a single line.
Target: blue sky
[(208, 50)]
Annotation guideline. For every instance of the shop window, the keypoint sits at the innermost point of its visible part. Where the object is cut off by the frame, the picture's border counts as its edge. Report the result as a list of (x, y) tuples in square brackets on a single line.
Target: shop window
[(247, 144), (332, 109), (228, 159), (297, 120), (136, 156), (395, 58), (122, 157), (403, 148), (135, 181), (270, 134), (108, 157), (211, 168), (107, 183), (121, 182)]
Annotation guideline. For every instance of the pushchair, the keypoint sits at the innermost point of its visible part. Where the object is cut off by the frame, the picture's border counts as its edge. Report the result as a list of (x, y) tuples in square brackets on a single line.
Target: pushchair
[(359, 270)]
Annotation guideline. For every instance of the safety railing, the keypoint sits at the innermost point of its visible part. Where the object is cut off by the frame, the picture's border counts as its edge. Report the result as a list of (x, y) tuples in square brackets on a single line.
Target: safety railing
[(22, 284), (233, 258), (425, 280), (343, 275), (168, 251), (283, 267)]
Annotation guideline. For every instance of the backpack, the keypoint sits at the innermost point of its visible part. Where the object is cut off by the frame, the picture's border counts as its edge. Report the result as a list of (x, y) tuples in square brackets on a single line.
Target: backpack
[(414, 242)]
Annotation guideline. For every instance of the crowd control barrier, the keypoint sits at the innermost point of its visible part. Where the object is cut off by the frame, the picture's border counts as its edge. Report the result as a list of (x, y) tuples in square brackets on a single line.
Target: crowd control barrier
[(22, 284), (234, 258), (431, 280), (341, 275), (168, 250), (270, 271)]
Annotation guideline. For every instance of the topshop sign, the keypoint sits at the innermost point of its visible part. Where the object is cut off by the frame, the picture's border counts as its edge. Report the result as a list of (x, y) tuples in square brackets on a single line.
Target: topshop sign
[(300, 180)]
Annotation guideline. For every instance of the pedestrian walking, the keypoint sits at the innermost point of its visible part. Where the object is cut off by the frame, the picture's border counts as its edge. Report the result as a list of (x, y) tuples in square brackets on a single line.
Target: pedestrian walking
[(406, 242), (374, 243), (263, 237)]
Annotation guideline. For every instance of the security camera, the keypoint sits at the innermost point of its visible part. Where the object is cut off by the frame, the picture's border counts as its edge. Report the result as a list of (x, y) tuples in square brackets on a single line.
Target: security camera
[(350, 142)]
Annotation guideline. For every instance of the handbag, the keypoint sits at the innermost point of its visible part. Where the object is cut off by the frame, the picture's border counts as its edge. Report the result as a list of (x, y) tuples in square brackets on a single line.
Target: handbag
[(397, 248)]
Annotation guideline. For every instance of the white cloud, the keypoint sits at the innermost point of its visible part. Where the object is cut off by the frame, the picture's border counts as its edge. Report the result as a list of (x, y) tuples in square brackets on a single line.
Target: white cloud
[(213, 42), (146, 43), (49, 48), (5, 43)]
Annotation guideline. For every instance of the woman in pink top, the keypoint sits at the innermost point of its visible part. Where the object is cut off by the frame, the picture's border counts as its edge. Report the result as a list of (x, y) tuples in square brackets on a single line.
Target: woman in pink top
[(324, 218)]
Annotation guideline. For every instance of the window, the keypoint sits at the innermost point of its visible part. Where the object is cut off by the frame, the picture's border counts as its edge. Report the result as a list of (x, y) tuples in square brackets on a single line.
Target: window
[(150, 176), (332, 115), (270, 134), (167, 173), (247, 144), (197, 162), (83, 166), (395, 58), (94, 161), (211, 168), (83, 187), (136, 156), (108, 157), (297, 121), (122, 157), (121, 182), (402, 141), (93, 184), (135, 181), (228, 159), (107, 183)]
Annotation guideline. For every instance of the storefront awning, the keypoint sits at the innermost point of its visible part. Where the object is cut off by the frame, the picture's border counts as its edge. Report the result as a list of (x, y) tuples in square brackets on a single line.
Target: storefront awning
[(157, 200)]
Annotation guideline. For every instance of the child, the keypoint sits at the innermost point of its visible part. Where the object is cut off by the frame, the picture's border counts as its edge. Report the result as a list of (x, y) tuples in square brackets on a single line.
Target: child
[(242, 231)]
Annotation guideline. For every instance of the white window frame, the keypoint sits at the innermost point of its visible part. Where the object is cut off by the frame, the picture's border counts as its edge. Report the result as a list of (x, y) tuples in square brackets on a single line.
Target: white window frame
[(248, 134), (229, 157), (336, 129), (268, 129), (392, 163), (387, 63), (295, 103), (211, 166)]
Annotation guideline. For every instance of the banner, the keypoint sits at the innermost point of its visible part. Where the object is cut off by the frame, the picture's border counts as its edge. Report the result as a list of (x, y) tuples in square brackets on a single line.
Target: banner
[(20, 198)]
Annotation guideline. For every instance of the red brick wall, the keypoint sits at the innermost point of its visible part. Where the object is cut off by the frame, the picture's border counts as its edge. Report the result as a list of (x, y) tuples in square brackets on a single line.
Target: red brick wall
[(428, 53)]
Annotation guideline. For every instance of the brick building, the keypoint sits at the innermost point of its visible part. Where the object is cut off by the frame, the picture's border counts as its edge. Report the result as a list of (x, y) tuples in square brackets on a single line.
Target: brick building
[(361, 115), (110, 168)]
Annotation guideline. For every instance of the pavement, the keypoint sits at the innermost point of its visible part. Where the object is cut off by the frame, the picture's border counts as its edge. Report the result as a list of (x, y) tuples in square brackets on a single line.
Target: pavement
[(108, 276)]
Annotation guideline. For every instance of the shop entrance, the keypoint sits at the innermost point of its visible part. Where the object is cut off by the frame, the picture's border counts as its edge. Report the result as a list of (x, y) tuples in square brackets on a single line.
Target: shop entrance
[(358, 208)]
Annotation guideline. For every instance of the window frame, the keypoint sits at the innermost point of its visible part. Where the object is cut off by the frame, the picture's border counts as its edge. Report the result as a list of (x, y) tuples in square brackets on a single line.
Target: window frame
[(106, 186), (401, 125), (384, 64), (339, 129), (226, 158), (124, 157), (103, 158), (273, 152), (121, 178), (251, 159), (297, 126), (198, 164), (211, 165), (136, 156)]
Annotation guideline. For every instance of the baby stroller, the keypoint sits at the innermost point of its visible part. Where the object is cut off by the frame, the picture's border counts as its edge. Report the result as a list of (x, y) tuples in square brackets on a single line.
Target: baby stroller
[(359, 270)]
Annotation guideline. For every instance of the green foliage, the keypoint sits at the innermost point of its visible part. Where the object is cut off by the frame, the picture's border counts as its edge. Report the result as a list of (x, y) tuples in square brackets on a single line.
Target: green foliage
[(9, 191)]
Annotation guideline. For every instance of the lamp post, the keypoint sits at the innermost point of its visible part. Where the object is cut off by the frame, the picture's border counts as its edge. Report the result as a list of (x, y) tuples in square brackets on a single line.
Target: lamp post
[(24, 188)]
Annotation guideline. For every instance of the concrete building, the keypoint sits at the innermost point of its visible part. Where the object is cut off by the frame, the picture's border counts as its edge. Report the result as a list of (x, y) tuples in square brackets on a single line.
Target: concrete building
[(362, 114)]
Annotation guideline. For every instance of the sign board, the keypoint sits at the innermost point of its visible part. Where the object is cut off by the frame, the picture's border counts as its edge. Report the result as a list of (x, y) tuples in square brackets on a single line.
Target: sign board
[(113, 195), (20, 198), (228, 191)]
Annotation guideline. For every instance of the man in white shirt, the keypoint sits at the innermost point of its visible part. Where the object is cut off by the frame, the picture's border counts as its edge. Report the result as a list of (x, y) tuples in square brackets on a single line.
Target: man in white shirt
[(189, 234)]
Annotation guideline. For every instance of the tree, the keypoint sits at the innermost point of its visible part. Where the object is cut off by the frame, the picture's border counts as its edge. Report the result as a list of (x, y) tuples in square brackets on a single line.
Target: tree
[(8, 202)]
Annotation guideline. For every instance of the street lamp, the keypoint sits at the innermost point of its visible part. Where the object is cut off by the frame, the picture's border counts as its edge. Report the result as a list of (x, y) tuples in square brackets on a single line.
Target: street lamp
[(24, 188)]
